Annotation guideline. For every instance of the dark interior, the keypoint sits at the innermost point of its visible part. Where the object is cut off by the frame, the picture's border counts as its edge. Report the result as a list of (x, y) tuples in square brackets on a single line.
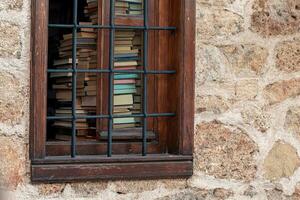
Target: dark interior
[(55, 35)]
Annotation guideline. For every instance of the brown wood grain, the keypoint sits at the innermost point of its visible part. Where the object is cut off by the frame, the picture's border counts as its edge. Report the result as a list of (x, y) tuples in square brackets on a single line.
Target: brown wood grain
[(38, 107), (188, 25), (99, 148), (75, 172), (168, 93)]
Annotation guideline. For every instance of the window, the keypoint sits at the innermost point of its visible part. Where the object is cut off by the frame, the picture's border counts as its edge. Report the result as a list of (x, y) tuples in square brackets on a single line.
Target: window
[(112, 85)]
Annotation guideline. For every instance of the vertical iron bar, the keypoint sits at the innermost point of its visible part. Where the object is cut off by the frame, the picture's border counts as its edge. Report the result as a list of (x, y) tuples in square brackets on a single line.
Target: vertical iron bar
[(145, 63), (74, 78), (111, 76)]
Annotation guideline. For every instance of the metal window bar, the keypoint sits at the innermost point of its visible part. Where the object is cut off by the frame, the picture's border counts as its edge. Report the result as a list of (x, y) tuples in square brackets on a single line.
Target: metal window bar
[(111, 76), (149, 115), (113, 71), (145, 63), (160, 28), (112, 27), (74, 78)]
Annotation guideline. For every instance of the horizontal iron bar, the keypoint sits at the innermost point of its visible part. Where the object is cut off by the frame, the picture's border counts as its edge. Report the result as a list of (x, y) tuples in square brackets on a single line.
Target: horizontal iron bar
[(162, 28), (112, 71), (152, 115)]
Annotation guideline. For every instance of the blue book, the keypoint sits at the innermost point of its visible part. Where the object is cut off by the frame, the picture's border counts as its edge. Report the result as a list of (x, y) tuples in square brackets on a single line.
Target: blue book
[(125, 91), (125, 76), (124, 86), (127, 58), (126, 55)]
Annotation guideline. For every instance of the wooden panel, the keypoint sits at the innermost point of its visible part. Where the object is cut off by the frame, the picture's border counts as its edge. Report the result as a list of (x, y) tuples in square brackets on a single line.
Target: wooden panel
[(38, 106), (188, 77), (167, 100), (133, 21), (75, 172), (114, 159), (98, 148), (103, 62)]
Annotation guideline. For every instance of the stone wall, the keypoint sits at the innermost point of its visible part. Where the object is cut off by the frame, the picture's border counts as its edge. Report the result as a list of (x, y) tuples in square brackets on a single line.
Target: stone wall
[(247, 130)]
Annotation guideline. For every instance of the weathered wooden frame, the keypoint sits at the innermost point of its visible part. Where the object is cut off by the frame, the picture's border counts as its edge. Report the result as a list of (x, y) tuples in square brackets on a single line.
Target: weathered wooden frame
[(47, 168)]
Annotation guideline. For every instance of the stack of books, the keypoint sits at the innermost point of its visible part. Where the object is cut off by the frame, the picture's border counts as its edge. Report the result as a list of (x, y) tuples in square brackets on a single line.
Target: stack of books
[(86, 59), (129, 7), (126, 90), (91, 10)]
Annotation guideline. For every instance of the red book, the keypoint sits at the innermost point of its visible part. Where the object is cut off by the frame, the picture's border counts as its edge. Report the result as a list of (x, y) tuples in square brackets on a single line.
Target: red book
[(125, 81)]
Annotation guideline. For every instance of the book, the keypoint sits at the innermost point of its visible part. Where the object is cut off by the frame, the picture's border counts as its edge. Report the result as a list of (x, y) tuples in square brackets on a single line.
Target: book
[(126, 86), (129, 7)]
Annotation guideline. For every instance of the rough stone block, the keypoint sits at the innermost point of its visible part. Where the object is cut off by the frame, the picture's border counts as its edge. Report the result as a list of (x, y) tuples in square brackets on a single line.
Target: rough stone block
[(10, 44), (89, 188), (11, 4), (220, 23), (224, 152), (214, 104), (210, 65), (282, 90), (218, 193), (246, 89), (12, 163), (282, 161), (292, 120), (50, 189), (214, 2), (272, 18), (12, 98), (256, 116), (288, 56), (246, 60), (132, 186)]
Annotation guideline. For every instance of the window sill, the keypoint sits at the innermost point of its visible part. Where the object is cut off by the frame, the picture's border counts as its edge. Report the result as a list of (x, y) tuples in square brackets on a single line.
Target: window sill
[(85, 168)]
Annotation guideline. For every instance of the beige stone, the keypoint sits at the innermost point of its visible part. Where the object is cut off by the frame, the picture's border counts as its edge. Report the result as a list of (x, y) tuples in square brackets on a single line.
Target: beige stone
[(221, 193), (138, 186), (275, 194), (10, 47), (12, 163), (173, 183), (250, 191), (224, 152), (210, 65), (246, 60), (213, 23), (214, 2), (11, 4), (246, 89), (282, 161), (292, 120), (214, 104), (124, 187), (288, 56), (282, 90), (50, 189), (195, 194), (12, 98), (256, 116), (271, 18), (89, 188)]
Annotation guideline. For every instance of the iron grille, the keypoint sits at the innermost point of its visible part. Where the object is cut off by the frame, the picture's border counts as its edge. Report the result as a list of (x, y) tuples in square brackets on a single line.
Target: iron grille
[(112, 28)]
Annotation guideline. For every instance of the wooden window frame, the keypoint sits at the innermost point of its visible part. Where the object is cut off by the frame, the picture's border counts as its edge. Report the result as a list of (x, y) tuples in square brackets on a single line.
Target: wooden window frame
[(45, 168)]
